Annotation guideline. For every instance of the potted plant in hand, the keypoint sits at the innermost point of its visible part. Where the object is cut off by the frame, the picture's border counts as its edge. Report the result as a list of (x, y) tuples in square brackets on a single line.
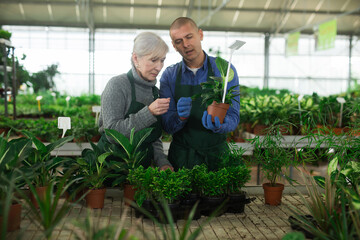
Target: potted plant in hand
[(94, 171), (213, 90), (274, 159), (131, 156), (41, 164)]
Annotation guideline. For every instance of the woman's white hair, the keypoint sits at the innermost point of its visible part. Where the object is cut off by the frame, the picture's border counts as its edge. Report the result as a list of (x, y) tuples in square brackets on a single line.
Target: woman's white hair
[(148, 43)]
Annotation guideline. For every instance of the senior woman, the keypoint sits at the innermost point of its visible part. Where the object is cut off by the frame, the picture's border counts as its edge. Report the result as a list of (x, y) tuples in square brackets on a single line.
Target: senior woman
[(130, 100)]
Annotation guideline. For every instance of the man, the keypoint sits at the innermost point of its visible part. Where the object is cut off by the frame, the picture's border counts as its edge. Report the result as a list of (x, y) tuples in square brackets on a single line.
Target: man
[(196, 139)]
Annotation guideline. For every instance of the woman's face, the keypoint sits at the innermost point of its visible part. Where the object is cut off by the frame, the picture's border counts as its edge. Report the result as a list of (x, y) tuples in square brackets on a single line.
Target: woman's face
[(148, 67)]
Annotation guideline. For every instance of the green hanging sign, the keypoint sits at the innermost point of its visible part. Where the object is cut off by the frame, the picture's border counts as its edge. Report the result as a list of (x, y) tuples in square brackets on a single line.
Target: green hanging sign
[(292, 43), (326, 35)]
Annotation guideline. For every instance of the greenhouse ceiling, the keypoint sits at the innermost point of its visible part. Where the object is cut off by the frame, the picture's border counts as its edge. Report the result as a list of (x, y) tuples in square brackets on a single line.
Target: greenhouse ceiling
[(268, 16)]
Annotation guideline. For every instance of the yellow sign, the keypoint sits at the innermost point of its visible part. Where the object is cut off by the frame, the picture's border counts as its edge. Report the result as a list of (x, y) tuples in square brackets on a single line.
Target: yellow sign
[(326, 35), (292, 43)]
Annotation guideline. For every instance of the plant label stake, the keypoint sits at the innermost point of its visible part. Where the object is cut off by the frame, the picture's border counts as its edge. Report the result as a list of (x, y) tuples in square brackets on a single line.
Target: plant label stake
[(64, 123), (341, 101), (299, 100), (96, 110), (38, 98), (235, 46), (67, 101), (54, 95)]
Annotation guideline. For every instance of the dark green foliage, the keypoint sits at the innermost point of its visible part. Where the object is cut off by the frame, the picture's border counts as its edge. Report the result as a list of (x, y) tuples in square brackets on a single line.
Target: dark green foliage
[(93, 169), (40, 162), (44, 80)]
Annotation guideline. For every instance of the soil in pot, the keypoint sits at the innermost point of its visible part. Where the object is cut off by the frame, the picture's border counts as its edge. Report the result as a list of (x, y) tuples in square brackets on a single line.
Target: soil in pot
[(273, 194), (218, 110), (95, 198)]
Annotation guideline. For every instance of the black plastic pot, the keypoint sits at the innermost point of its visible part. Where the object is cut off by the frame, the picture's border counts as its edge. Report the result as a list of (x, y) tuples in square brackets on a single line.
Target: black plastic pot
[(148, 206), (297, 225), (210, 204), (186, 206), (161, 215), (236, 202)]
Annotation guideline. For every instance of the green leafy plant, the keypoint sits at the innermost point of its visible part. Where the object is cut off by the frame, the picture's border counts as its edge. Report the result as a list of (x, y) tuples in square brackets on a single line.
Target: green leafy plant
[(51, 209), (12, 152), (141, 179), (334, 216), (170, 185), (213, 89), (131, 151), (273, 158), (214, 183), (93, 168), (40, 162)]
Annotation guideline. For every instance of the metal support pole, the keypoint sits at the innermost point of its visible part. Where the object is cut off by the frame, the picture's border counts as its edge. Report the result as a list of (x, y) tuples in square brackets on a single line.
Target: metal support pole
[(14, 85), (350, 56), (91, 61), (5, 78), (266, 61)]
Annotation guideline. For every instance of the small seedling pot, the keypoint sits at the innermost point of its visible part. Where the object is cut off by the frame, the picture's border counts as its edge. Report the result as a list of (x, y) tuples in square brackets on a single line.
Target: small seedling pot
[(218, 110)]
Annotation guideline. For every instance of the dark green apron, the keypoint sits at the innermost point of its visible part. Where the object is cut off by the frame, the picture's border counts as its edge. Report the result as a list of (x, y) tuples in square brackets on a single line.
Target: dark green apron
[(194, 144), (134, 108)]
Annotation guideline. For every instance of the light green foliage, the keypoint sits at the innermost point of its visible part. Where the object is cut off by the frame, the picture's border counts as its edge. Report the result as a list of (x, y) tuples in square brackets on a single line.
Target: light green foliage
[(273, 158)]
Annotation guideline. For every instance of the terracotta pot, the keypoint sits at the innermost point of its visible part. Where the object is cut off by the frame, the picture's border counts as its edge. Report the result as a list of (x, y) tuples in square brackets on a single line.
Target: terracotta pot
[(95, 198), (41, 191), (337, 130), (4, 130), (321, 129), (95, 138), (272, 194), (260, 129), (248, 128), (218, 110), (238, 139), (14, 218), (129, 192)]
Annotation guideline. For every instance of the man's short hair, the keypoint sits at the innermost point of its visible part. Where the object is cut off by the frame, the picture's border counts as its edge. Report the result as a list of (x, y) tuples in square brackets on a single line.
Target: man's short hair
[(181, 21)]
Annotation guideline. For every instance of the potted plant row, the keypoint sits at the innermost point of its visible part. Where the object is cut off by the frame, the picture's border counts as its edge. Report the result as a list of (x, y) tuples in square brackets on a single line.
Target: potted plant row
[(188, 186)]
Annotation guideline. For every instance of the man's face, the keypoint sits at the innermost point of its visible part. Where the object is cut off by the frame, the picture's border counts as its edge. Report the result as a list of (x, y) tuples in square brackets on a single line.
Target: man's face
[(187, 41)]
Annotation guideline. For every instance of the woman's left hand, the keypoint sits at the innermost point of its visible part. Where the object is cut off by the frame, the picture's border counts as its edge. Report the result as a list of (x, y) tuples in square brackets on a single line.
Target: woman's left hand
[(159, 106), (163, 168)]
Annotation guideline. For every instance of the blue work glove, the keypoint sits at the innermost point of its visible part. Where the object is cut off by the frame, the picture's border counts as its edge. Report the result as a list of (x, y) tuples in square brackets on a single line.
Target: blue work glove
[(184, 107), (208, 124)]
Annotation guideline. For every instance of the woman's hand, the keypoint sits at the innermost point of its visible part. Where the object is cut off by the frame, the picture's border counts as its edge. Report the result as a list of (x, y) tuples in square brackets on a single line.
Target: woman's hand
[(159, 106), (163, 168)]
